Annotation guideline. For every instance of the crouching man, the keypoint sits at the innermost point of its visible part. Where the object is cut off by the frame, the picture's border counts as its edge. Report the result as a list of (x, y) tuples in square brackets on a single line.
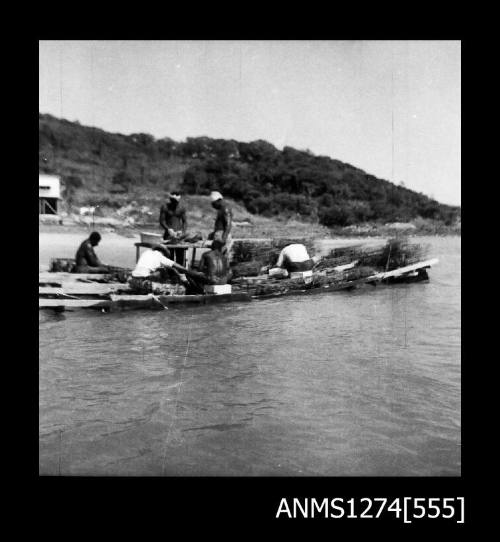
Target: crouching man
[(86, 258), (294, 258), (155, 272)]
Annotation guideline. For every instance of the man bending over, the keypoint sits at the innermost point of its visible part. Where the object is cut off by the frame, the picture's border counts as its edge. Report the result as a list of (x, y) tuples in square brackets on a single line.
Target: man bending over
[(295, 258)]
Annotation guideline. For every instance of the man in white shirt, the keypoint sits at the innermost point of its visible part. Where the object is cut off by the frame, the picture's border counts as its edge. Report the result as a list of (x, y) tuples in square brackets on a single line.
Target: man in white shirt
[(151, 261), (156, 273), (295, 258)]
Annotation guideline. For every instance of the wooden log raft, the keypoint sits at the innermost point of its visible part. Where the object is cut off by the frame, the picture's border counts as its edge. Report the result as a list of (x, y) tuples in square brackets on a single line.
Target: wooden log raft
[(395, 253), (243, 290), (116, 302), (262, 286)]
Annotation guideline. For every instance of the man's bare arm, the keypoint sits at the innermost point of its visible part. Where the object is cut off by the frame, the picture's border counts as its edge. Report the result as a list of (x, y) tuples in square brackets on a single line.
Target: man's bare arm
[(228, 224), (189, 272)]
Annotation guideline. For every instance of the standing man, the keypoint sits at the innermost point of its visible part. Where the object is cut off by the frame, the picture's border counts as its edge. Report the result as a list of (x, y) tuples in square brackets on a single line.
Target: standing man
[(173, 221), (173, 217), (223, 221), (86, 258)]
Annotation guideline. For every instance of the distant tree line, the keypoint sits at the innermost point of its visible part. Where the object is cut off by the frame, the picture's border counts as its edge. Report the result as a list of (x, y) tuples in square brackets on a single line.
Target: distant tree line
[(266, 180)]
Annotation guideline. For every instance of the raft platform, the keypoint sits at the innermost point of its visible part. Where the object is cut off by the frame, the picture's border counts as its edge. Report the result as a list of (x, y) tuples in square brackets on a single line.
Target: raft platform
[(69, 291)]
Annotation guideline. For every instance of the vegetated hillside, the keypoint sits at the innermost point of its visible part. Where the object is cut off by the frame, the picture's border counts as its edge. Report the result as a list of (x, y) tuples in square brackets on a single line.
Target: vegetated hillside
[(114, 168)]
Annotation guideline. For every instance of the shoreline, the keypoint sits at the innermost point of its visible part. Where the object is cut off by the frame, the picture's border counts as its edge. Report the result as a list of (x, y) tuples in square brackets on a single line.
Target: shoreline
[(294, 229)]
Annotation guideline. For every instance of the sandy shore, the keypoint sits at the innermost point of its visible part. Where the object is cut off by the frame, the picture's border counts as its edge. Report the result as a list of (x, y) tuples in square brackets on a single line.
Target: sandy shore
[(114, 248)]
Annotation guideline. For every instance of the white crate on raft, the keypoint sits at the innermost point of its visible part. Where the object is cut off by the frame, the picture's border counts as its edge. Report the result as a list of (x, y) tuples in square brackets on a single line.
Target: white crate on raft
[(218, 289), (301, 275), (278, 272)]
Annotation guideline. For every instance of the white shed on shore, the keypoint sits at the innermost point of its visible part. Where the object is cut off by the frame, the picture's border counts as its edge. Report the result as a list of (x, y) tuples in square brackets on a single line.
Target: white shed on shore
[(49, 194)]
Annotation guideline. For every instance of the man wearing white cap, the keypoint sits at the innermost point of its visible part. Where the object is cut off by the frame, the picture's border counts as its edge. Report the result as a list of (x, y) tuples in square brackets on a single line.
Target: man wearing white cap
[(223, 221)]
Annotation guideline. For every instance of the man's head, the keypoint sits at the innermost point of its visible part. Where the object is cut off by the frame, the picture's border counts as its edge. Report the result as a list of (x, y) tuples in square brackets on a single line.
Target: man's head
[(216, 199), (217, 244), (163, 249), (94, 238), (174, 197)]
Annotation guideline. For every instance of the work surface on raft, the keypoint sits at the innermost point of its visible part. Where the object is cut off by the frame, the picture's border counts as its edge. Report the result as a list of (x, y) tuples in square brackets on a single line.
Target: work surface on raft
[(356, 383)]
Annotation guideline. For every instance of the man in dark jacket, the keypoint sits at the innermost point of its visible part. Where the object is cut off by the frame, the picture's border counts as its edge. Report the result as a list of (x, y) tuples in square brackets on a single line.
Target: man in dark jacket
[(86, 258)]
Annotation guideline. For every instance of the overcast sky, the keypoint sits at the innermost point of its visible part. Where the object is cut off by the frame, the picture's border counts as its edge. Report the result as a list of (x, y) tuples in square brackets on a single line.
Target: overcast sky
[(391, 108)]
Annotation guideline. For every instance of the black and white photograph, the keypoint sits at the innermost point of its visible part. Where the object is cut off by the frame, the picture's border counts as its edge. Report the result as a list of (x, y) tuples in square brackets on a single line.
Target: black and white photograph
[(249, 258)]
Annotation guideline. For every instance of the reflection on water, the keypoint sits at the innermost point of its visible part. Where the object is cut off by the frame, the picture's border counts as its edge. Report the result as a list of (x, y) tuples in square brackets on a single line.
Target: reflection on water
[(354, 383)]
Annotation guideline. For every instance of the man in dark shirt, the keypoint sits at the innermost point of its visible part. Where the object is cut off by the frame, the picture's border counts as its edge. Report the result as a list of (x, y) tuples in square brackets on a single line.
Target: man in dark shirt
[(173, 217), (86, 258), (223, 221)]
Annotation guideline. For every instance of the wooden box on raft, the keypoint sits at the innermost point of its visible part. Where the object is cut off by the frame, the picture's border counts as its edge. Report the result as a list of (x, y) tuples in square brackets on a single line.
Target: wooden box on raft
[(304, 275), (218, 289)]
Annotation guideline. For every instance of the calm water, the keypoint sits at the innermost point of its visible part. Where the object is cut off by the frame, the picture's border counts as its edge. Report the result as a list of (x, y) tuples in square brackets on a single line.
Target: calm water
[(353, 383)]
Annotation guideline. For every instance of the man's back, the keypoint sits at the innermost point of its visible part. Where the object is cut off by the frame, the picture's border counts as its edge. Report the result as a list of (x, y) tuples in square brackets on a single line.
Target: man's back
[(215, 267), (296, 252), (294, 257)]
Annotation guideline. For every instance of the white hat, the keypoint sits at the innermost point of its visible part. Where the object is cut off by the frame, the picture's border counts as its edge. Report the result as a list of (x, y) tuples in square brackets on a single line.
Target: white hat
[(214, 196)]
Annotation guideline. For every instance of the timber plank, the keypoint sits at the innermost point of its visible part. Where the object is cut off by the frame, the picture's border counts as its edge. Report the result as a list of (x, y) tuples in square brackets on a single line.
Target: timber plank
[(48, 290), (60, 277), (407, 269), (73, 303), (84, 288)]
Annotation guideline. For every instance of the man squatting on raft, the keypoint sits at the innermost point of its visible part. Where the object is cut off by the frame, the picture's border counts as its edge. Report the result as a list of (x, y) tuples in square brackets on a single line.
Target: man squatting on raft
[(86, 258), (150, 263), (294, 258), (223, 221), (155, 265)]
